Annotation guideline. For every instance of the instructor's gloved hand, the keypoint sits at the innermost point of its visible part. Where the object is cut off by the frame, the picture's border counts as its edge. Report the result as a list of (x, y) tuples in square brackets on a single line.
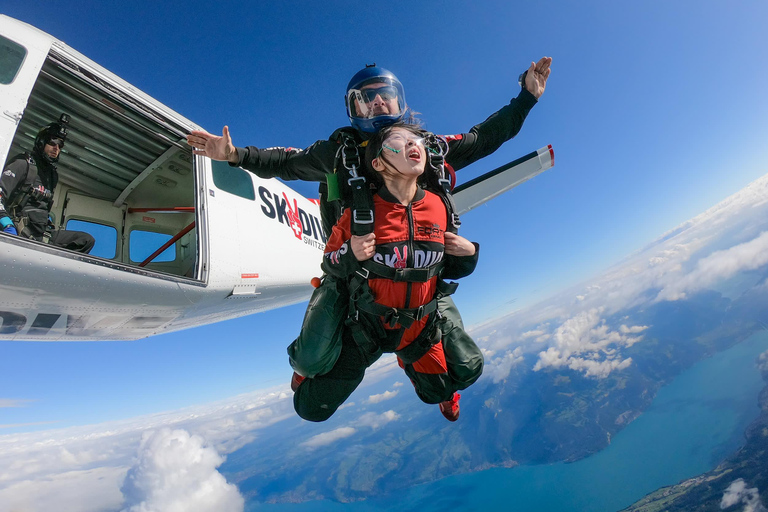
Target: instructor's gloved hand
[(11, 229)]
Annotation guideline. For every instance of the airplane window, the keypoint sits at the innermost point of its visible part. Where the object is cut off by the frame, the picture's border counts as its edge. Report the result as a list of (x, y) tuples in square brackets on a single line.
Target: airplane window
[(144, 243), (233, 180), (105, 236), (11, 57)]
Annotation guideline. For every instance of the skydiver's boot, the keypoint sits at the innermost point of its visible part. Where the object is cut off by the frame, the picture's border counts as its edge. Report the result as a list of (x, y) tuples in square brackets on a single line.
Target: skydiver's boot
[(450, 408), (296, 380)]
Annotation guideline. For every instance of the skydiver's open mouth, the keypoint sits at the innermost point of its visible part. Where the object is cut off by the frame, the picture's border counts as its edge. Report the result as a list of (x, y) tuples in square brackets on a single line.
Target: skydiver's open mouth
[(414, 154)]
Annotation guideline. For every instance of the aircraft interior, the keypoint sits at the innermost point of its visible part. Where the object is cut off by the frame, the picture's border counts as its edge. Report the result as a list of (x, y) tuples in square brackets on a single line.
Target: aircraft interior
[(126, 174)]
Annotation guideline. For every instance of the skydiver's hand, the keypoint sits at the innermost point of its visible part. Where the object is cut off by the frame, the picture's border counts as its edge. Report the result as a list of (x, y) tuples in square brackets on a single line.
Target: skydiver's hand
[(456, 245), (536, 79), (213, 146), (363, 247)]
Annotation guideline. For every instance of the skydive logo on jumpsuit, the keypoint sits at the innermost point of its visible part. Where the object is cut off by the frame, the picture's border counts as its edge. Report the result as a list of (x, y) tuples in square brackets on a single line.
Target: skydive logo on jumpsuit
[(399, 257), (303, 224)]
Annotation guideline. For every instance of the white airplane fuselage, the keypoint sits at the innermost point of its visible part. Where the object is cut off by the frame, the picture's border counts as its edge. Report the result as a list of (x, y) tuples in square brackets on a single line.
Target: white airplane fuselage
[(244, 254)]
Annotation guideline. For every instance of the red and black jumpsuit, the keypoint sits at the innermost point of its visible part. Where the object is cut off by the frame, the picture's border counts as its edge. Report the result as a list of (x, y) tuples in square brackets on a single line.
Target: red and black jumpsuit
[(406, 237)]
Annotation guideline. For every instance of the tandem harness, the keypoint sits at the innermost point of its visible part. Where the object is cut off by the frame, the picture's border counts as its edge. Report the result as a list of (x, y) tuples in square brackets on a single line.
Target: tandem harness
[(364, 313)]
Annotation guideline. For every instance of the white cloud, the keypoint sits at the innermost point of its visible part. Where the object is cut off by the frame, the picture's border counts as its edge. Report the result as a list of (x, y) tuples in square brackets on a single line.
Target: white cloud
[(499, 368), (718, 266), (585, 343), (373, 420), (14, 402), (532, 334), (35, 466), (762, 362), (176, 472), (327, 438), (737, 493), (93, 490), (387, 395), (33, 424)]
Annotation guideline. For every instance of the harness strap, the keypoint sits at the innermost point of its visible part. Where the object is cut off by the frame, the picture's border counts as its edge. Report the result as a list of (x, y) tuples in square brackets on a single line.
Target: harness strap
[(413, 275), (393, 316), (371, 337), (362, 198), (450, 206), (20, 197), (418, 348), (437, 149)]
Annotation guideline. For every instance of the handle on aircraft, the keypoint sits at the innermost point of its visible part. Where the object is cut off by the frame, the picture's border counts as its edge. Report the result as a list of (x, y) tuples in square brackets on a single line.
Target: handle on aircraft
[(168, 244), (173, 209)]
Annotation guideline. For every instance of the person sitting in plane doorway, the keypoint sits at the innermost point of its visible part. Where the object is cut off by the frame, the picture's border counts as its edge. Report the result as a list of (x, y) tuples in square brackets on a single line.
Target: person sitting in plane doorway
[(27, 185), (395, 277)]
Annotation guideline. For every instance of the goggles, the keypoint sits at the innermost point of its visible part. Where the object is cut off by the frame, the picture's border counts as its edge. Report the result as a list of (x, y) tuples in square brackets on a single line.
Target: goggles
[(56, 142), (387, 93), (397, 142)]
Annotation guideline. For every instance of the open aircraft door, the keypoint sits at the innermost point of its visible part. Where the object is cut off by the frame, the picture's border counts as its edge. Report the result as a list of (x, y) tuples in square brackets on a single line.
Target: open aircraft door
[(18, 72)]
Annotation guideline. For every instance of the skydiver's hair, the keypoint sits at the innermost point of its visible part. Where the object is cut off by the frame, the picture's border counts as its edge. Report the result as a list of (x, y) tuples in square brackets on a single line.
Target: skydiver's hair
[(373, 150)]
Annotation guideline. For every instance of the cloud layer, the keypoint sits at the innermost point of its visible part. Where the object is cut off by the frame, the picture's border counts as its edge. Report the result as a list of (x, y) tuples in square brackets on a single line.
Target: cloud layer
[(577, 328), (176, 472)]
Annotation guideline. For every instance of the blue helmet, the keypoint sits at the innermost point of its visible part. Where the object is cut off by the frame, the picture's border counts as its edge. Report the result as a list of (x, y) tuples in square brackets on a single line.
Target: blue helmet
[(374, 99)]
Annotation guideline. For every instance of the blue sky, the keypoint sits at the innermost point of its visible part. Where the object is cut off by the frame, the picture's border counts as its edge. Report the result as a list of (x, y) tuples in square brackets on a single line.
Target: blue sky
[(656, 112)]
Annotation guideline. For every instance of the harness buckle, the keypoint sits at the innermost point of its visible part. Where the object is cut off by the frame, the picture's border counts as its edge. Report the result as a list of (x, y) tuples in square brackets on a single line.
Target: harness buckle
[(392, 317), (363, 272), (420, 312), (350, 157), (362, 216), (356, 182)]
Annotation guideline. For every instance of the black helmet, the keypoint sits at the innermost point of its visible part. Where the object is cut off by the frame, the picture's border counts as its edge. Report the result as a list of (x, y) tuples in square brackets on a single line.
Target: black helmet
[(53, 131)]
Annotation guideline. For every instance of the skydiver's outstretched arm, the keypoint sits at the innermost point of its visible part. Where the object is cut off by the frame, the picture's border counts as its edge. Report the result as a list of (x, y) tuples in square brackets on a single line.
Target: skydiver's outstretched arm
[(536, 78), (486, 137), (213, 146)]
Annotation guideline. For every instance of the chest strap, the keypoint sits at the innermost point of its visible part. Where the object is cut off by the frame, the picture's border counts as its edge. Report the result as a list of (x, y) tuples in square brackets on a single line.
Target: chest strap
[(398, 275)]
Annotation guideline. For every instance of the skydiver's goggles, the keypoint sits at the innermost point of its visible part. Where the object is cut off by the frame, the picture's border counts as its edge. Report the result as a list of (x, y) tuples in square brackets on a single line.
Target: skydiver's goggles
[(398, 141), (387, 93), (361, 99), (56, 142)]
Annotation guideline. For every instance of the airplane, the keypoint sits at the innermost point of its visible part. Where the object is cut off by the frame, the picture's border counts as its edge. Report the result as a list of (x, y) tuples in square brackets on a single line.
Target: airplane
[(181, 240)]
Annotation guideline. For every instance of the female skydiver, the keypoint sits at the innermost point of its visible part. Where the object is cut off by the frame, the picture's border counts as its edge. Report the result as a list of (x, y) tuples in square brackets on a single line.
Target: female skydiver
[(394, 280)]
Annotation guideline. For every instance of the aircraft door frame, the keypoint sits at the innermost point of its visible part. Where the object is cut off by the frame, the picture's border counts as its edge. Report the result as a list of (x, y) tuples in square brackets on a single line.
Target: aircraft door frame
[(14, 96), (81, 207)]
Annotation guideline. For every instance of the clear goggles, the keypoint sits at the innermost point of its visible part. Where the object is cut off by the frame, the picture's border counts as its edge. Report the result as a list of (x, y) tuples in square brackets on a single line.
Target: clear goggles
[(398, 141)]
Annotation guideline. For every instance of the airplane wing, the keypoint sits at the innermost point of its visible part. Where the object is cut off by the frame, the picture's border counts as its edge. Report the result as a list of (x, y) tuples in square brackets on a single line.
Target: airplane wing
[(491, 184)]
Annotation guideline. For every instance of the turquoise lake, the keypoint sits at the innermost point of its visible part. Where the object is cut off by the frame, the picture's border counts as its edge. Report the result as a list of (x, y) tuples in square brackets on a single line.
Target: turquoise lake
[(694, 423)]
